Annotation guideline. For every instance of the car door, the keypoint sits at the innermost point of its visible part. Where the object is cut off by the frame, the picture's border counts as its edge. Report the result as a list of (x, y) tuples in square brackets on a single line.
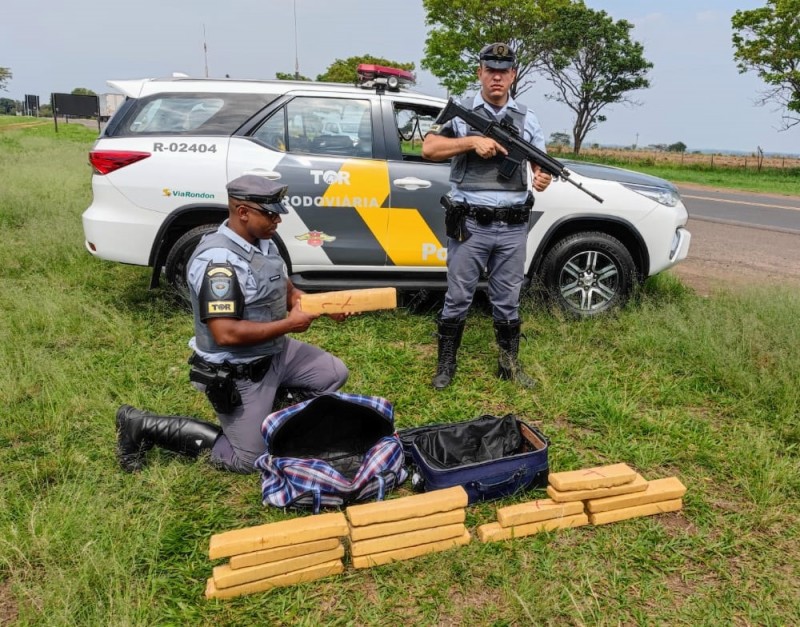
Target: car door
[(416, 232), (338, 193)]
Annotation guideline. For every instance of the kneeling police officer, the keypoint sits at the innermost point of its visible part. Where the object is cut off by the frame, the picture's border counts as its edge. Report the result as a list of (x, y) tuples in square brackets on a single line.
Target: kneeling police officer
[(244, 305)]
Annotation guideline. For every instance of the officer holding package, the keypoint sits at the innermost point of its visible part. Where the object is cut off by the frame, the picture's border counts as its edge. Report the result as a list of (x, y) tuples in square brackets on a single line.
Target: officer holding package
[(486, 215), (244, 307)]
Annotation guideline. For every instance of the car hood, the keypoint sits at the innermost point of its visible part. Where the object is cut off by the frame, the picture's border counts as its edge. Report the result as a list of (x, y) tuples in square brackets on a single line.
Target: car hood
[(620, 175)]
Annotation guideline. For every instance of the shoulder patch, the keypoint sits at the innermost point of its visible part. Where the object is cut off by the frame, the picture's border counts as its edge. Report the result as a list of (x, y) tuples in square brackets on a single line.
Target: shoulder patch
[(220, 295), (220, 281)]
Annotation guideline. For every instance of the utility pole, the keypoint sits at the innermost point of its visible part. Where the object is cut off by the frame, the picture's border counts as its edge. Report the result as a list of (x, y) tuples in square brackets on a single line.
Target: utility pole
[(205, 49), (296, 58)]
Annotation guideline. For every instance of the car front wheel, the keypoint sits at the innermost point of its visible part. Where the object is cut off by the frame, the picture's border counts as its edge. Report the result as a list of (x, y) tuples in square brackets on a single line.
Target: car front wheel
[(178, 259), (587, 274)]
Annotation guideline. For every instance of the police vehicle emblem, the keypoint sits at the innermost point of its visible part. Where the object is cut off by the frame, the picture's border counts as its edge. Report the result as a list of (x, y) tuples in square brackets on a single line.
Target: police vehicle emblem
[(315, 238)]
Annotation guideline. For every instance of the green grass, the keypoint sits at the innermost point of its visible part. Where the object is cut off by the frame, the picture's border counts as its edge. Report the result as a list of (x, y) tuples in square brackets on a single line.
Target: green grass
[(702, 388), (770, 180), (15, 120)]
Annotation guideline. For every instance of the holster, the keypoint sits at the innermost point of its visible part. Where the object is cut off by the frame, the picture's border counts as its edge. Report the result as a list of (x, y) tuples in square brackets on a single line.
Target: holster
[(220, 385), (455, 220)]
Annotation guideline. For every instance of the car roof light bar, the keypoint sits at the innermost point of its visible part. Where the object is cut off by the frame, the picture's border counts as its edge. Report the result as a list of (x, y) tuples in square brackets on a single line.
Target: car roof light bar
[(383, 77)]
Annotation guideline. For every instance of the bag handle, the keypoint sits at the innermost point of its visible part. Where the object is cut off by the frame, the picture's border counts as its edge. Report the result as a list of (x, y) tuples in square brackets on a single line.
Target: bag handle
[(490, 487), (315, 495)]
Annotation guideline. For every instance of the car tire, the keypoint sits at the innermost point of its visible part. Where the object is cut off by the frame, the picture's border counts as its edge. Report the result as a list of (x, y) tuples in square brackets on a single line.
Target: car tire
[(178, 260), (587, 274)]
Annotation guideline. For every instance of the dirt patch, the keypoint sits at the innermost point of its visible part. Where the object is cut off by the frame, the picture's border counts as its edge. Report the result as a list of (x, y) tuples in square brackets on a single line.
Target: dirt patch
[(724, 256), (12, 127), (8, 605)]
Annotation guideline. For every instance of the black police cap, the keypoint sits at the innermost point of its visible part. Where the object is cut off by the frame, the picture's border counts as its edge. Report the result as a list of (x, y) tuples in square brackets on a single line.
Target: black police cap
[(265, 193), (498, 56)]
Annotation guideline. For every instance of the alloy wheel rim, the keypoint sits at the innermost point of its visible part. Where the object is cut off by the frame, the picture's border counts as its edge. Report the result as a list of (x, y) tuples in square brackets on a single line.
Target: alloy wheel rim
[(589, 281)]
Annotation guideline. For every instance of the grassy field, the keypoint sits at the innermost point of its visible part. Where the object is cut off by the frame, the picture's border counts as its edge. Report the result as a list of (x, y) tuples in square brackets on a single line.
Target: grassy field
[(777, 177), (702, 388), (8, 122)]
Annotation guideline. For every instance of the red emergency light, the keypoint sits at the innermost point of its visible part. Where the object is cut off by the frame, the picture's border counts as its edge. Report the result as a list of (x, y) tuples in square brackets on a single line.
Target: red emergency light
[(391, 77)]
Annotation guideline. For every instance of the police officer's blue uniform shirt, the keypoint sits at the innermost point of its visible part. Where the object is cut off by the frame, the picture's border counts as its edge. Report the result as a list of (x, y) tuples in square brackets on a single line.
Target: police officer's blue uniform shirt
[(532, 133), (247, 281)]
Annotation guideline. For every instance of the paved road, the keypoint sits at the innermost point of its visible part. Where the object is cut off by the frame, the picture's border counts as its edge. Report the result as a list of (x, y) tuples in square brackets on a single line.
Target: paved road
[(740, 239), (779, 213)]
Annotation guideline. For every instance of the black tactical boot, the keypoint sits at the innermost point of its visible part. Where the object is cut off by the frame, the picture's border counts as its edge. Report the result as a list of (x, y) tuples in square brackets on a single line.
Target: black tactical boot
[(507, 333), (139, 431), (449, 333)]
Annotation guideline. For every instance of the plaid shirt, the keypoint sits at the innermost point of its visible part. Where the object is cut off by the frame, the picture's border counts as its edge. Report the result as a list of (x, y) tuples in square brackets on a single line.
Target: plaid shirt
[(303, 482)]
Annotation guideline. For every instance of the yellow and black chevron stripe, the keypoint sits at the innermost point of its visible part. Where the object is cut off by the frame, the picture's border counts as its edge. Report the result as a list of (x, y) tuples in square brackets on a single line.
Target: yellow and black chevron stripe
[(368, 231)]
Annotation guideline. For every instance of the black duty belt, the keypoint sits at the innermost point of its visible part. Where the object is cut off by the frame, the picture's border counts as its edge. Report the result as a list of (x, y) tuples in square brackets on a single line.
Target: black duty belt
[(253, 370), (515, 214)]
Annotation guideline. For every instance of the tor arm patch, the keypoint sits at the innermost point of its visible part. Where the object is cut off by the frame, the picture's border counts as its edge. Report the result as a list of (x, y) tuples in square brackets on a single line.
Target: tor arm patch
[(220, 294)]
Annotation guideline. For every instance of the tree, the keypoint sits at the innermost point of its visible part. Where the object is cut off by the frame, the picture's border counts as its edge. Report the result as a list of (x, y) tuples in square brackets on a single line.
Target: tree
[(677, 147), (82, 91), (559, 139), (344, 70), (597, 68), (290, 76), (8, 106), (460, 28), (767, 41), (5, 76)]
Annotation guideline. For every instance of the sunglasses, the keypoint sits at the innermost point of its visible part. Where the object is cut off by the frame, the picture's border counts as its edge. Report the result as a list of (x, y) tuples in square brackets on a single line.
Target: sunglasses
[(272, 215)]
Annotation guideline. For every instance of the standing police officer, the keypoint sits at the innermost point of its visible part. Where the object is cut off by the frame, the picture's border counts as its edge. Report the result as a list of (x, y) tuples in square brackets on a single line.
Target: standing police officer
[(244, 306), (487, 216)]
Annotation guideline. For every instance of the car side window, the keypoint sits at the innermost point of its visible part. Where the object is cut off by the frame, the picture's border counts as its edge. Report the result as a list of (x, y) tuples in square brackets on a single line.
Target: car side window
[(195, 114), (322, 126), (273, 131), (411, 123)]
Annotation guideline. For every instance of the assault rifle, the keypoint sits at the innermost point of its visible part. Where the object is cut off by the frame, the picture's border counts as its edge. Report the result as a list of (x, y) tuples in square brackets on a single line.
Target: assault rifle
[(506, 134)]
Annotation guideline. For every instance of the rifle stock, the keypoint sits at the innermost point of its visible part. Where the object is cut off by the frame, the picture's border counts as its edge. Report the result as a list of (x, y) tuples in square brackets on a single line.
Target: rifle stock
[(519, 150)]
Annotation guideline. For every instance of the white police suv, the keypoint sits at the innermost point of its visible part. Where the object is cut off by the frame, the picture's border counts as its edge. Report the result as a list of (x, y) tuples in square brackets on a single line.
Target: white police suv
[(364, 206)]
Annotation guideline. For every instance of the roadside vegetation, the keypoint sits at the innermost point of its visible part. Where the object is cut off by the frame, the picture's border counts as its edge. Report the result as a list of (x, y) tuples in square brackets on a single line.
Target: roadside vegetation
[(11, 121), (702, 388), (781, 176)]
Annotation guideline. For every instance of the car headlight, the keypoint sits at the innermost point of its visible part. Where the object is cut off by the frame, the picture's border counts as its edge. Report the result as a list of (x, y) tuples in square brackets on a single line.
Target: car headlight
[(662, 195)]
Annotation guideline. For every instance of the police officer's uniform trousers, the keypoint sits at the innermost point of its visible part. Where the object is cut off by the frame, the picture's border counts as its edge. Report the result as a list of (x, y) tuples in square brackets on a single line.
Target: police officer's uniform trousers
[(498, 246)]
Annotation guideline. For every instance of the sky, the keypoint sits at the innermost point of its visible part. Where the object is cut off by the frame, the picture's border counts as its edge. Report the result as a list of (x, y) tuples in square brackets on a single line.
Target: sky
[(697, 96)]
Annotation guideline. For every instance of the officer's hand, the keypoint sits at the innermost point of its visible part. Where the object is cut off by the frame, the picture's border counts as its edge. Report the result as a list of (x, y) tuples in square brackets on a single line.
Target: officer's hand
[(300, 320), (340, 317), (541, 179), (488, 148)]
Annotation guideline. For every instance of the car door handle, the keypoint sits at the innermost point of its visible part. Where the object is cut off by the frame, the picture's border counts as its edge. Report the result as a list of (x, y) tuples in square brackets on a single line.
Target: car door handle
[(267, 174), (411, 183)]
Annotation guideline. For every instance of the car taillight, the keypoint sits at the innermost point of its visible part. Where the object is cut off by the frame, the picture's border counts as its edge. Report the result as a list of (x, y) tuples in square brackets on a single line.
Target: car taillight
[(106, 161)]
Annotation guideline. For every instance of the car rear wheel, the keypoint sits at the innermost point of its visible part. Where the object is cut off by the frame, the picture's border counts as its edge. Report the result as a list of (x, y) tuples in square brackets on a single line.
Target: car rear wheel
[(586, 274), (178, 260)]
